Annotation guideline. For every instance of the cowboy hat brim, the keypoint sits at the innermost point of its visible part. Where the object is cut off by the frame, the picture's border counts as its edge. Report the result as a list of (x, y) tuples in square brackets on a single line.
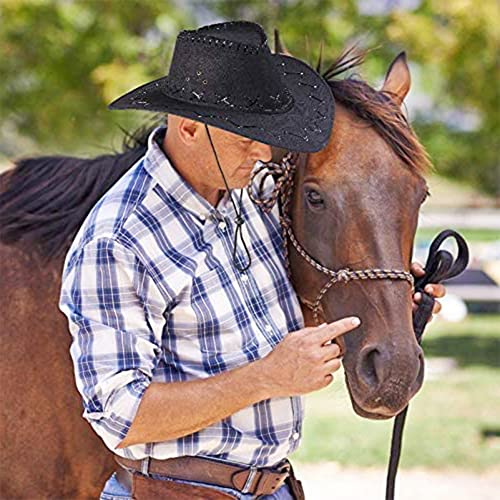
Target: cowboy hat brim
[(305, 127)]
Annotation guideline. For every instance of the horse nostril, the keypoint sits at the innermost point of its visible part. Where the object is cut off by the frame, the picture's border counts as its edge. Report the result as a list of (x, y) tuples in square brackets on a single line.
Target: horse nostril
[(370, 366), (420, 375)]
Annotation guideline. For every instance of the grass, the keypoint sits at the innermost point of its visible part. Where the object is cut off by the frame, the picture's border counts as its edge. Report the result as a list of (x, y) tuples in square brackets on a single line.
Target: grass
[(445, 421), (471, 235)]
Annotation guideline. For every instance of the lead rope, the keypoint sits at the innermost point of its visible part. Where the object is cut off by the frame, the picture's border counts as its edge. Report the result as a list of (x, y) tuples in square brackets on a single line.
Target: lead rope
[(440, 265), (239, 221)]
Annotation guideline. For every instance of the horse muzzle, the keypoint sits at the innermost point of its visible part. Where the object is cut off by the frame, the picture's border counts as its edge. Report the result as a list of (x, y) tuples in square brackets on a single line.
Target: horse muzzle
[(383, 378)]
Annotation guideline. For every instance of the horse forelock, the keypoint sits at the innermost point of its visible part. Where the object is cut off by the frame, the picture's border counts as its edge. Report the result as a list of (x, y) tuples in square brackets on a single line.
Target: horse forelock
[(378, 109)]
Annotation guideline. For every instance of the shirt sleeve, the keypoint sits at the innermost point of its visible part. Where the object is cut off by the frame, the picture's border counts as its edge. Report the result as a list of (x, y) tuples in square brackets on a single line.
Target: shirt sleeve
[(115, 315)]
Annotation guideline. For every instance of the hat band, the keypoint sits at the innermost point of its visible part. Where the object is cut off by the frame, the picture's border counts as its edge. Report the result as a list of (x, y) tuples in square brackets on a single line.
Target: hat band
[(224, 101)]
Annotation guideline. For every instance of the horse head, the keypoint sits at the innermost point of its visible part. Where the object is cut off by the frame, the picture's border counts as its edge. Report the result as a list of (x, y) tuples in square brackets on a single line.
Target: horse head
[(355, 205)]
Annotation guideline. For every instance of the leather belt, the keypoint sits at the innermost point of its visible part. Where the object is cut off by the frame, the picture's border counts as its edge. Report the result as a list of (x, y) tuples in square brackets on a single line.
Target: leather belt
[(252, 480)]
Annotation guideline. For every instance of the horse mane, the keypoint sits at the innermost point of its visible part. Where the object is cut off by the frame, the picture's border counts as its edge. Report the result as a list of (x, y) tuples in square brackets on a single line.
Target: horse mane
[(375, 107), (44, 200)]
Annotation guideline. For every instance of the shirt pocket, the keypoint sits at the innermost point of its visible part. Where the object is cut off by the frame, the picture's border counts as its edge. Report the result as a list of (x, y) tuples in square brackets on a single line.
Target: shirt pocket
[(216, 322)]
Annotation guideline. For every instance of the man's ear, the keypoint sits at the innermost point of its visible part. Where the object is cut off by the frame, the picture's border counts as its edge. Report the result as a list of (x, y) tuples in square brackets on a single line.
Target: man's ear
[(188, 129), (397, 79)]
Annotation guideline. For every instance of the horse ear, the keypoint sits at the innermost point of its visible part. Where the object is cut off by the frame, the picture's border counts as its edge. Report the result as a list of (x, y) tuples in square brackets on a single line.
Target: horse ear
[(397, 79), (279, 46)]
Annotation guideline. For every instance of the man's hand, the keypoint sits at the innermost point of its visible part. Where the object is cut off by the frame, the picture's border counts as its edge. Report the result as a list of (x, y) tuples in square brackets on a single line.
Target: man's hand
[(436, 290), (305, 359)]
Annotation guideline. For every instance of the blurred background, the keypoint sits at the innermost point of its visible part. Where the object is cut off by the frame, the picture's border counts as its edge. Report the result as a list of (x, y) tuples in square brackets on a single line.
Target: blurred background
[(62, 61)]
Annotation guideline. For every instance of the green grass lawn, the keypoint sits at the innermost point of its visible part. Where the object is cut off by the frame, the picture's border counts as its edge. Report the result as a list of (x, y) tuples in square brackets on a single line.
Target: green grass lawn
[(471, 235), (446, 418)]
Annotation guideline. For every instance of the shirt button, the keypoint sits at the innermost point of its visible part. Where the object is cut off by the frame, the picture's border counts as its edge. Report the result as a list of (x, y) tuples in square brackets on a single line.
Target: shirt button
[(295, 436), (268, 328), (244, 278), (222, 226)]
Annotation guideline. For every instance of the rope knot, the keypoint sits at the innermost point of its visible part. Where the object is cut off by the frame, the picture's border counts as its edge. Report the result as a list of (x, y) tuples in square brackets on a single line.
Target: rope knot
[(343, 275)]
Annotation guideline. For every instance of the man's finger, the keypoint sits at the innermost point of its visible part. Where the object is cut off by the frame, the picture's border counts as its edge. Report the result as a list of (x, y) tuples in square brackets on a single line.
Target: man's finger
[(333, 365), (417, 269), (436, 290), (437, 307), (330, 351), (333, 330)]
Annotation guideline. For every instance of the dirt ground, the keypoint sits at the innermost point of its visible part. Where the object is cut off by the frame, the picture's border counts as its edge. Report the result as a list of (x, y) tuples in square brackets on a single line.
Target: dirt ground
[(329, 481)]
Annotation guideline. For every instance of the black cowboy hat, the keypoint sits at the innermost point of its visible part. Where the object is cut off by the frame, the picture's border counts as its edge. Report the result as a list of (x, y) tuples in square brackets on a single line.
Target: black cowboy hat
[(225, 75)]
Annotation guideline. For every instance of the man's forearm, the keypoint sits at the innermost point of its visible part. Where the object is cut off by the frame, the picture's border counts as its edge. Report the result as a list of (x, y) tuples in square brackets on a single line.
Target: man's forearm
[(172, 410)]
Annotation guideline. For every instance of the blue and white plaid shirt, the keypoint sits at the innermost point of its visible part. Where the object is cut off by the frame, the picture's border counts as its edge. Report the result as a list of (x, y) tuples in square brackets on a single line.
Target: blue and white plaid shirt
[(151, 294)]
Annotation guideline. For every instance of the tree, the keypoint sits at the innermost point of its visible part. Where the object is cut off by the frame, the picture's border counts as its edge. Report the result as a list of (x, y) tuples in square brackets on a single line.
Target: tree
[(62, 62)]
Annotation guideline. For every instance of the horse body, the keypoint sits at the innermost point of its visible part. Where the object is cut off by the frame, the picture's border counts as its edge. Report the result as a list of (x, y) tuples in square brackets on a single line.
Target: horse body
[(372, 201), (47, 448)]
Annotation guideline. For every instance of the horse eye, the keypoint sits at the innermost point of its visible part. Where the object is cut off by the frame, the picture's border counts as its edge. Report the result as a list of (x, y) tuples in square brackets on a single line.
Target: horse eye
[(427, 195), (314, 198)]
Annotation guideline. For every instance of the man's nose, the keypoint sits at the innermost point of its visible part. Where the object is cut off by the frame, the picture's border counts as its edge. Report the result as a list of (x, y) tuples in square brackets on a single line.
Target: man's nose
[(261, 152)]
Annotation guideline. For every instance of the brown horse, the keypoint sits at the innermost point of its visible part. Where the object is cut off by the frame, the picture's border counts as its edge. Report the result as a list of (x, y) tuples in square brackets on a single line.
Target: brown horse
[(362, 194)]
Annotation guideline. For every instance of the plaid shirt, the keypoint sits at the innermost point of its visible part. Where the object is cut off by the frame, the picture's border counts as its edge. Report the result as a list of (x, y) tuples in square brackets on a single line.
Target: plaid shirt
[(151, 294)]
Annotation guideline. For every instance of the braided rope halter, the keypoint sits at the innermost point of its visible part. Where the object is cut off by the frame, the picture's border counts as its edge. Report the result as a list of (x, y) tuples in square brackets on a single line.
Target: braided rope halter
[(283, 174)]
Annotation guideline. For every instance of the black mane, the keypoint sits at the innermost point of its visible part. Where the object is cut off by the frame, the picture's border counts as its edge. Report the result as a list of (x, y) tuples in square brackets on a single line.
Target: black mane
[(44, 200)]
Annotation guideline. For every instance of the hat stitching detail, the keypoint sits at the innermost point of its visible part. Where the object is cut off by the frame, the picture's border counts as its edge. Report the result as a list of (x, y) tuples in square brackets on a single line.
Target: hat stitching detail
[(230, 44)]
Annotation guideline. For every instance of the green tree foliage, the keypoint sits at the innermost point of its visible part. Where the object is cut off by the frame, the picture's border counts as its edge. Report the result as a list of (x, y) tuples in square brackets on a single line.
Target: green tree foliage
[(62, 61), (458, 42)]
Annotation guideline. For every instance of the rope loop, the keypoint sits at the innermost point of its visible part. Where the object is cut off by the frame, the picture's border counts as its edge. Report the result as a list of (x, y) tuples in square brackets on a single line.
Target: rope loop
[(282, 174)]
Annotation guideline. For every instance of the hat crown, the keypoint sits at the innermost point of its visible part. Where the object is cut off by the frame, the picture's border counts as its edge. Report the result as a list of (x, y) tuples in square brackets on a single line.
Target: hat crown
[(244, 32), (227, 65)]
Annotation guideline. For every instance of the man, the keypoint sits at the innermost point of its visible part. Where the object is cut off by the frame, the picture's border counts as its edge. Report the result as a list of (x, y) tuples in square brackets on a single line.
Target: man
[(189, 347)]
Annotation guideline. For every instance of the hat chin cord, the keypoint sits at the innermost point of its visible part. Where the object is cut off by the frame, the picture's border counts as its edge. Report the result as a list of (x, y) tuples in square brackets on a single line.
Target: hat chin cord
[(238, 232)]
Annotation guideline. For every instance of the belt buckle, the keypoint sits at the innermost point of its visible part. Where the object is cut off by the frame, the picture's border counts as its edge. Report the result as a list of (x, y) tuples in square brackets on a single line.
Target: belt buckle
[(248, 483)]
